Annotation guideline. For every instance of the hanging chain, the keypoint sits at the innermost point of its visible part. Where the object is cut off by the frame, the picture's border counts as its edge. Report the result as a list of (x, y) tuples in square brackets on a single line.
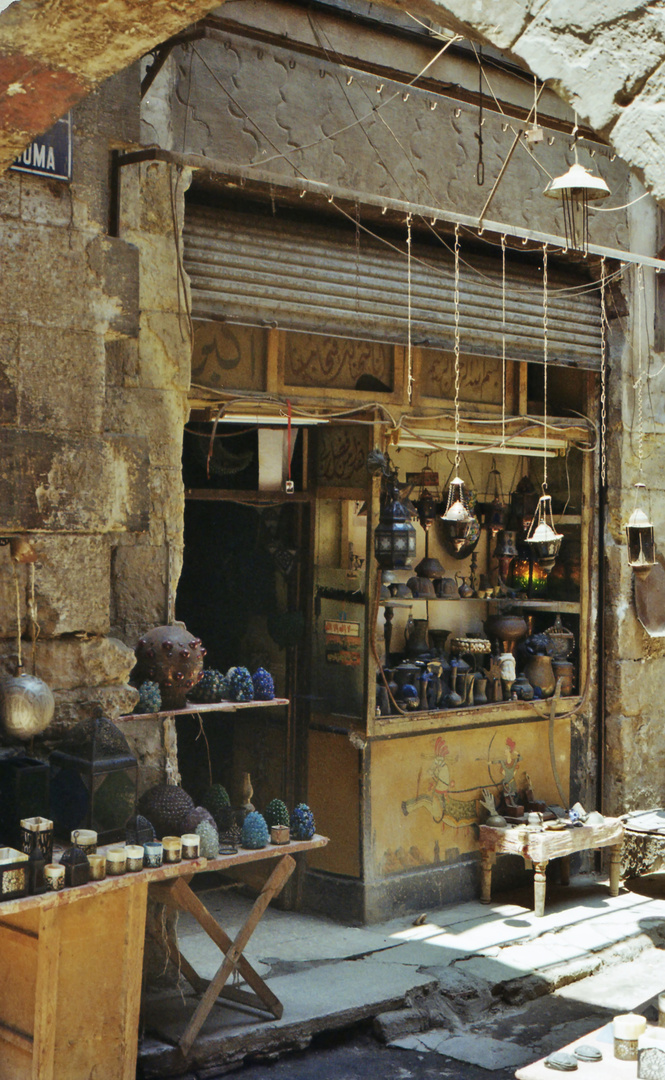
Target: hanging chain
[(457, 361), (603, 373), (409, 358), (545, 343), (638, 383), (503, 341), (480, 167), (357, 255)]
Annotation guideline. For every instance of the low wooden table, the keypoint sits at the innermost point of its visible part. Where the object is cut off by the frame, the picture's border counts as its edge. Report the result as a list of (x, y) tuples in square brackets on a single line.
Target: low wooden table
[(538, 846), (71, 967)]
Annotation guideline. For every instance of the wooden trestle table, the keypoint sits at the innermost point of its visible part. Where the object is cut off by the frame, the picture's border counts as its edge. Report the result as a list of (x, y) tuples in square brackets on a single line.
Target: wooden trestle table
[(71, 967)]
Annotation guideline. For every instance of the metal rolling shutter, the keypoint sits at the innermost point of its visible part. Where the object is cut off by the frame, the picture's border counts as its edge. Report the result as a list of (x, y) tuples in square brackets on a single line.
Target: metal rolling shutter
[(266, 271)]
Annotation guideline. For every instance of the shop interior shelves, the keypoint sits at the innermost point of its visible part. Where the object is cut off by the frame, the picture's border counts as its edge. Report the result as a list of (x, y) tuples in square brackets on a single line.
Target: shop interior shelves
[(217, 706)]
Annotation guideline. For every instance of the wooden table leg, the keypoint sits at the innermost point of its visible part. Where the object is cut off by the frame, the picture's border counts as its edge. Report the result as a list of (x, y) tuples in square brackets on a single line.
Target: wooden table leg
[(539, 886), (177, 894), (272, 887), (565, 869), (615, 868), (487, 862)]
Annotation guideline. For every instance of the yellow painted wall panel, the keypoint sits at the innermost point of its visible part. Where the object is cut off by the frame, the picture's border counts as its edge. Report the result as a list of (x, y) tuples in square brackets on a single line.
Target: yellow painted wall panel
[(334, 796), (426, 790)]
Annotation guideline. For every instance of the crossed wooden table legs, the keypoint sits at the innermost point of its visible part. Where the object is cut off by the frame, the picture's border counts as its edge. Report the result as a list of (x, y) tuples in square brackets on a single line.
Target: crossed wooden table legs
[(177, 894)]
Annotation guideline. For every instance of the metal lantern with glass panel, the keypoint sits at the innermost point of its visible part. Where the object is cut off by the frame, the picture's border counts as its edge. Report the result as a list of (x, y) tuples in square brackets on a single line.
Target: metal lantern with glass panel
[(640, 537), (456, 520), (543, 539), (394, 536), (94, 780)]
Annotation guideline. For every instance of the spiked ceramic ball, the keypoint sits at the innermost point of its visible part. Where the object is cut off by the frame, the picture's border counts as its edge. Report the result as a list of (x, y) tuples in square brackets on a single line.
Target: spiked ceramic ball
[(264, 686), (211, 687), (173, 658), (216, 799), (255, 831), (209, 840), (240, 684), (150, 699), (195, 817), (167, 807), (302, 822), (276, 813)]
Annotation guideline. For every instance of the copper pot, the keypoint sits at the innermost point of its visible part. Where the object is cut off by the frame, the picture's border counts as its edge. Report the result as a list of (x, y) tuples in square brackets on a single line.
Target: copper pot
[(508, 629)]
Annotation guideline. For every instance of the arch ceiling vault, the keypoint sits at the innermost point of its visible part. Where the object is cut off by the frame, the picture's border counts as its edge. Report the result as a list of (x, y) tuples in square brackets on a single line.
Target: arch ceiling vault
[(606, 59)]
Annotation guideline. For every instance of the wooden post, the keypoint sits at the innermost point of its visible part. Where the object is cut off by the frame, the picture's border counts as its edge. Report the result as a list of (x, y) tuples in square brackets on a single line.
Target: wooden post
[(539, 887), (615, 868), (487, 861)]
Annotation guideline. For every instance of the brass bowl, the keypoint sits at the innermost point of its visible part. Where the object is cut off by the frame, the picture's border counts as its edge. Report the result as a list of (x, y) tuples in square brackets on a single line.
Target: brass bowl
[(508, 629)]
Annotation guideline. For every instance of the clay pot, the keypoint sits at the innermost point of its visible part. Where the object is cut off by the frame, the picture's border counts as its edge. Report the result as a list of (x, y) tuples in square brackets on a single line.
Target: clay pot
[(538, 670), (173, 658), (564, 669)]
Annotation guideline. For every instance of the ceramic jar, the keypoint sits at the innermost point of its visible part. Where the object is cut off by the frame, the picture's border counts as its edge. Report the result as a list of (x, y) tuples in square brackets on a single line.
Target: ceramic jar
[(538, 670)]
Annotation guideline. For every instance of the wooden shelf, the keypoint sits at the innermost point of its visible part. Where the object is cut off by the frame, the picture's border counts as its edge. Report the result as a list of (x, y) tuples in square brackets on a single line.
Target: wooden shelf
[(216, 706), (570, 607)]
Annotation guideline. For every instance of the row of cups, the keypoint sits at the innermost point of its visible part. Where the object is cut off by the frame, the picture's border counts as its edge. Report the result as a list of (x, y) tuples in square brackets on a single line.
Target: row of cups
[(124, 858)]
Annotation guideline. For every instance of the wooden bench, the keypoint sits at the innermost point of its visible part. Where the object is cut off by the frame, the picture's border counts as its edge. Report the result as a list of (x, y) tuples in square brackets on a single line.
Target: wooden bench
[(538, 846)]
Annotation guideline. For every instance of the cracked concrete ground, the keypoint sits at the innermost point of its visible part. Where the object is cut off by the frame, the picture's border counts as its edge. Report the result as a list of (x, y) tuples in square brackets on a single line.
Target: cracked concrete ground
[(489, 987)]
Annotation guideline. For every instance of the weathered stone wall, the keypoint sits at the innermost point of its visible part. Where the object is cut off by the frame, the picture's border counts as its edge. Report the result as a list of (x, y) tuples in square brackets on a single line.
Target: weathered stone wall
[(94, 370)]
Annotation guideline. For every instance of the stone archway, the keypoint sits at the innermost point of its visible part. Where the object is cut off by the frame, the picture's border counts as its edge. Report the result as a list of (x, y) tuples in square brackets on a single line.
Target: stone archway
[(607, 61)]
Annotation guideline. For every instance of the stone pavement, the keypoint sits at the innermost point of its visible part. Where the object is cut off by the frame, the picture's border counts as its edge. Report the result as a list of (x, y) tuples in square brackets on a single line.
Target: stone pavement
[(462, 984)]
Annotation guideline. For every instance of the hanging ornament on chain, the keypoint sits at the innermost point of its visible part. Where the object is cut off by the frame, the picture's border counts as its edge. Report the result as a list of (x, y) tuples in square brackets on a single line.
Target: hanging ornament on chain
[(576, 188), (639, 530), (544, 540), (457, 520), (496, 508)]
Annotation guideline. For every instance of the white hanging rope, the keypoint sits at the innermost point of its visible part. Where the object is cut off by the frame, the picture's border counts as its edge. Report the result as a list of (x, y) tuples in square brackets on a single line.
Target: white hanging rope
[(457, 350), (409, 358), (603, 373), (503, 340), (545, 367), (638, 383)]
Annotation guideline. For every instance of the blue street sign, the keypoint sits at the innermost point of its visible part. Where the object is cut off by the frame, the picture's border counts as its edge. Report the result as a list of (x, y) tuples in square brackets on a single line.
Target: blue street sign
[(50, 154)]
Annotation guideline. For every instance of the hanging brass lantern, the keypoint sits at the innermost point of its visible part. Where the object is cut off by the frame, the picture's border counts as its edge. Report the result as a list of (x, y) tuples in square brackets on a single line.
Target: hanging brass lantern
[(495, 516), (640, 537), (456, 520), (394, 536), (542, 535), (576, 189)]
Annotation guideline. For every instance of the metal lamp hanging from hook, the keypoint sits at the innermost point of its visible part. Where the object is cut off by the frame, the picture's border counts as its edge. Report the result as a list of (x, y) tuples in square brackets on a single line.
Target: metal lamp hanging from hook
[(576, 188), (456, 520), (543, 538)]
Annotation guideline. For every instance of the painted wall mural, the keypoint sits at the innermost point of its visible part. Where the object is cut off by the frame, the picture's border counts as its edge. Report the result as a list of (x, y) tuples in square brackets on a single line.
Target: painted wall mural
[(427, 793)]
